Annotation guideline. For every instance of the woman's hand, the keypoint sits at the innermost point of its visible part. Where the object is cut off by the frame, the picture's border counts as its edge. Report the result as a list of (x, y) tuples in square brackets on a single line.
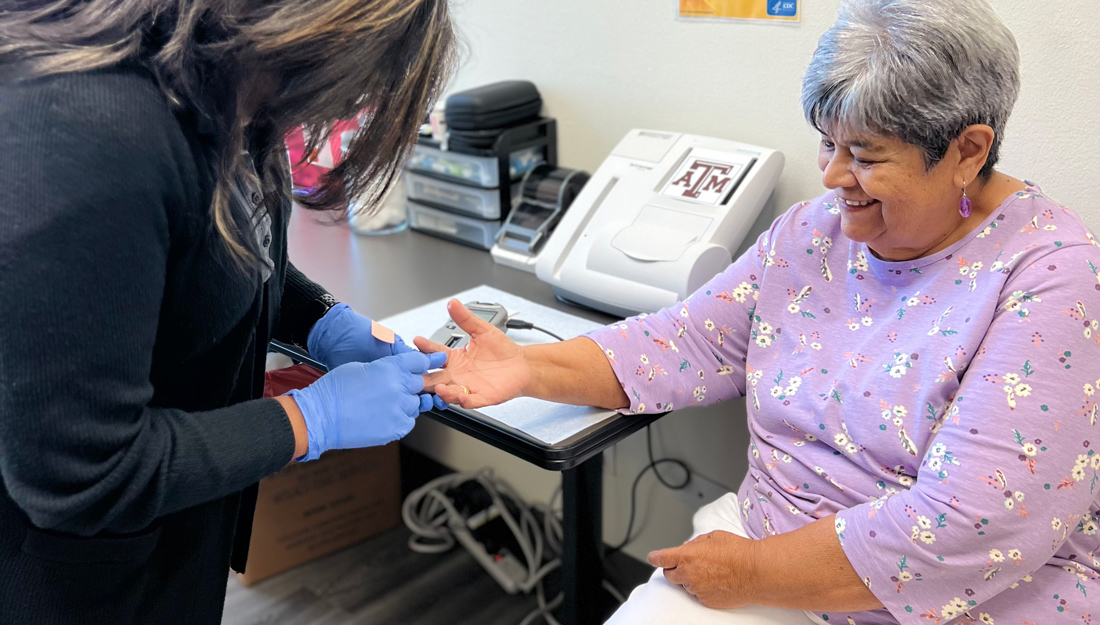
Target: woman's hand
[(805, 569), (716, 568), (491, 369)]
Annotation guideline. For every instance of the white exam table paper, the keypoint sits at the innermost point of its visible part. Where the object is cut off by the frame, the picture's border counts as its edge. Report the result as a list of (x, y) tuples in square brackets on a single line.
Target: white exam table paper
[(547, 421)]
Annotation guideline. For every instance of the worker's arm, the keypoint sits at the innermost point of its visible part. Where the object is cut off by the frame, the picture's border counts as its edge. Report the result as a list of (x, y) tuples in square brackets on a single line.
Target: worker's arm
[(297, 424), (303, 304)]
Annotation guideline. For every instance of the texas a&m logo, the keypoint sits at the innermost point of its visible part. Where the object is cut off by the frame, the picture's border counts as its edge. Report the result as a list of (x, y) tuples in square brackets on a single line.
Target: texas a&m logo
[(703, 180)]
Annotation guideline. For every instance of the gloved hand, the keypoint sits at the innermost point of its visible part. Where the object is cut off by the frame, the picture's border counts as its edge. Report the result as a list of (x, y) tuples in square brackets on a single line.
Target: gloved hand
[(343, 336), (365, 404)]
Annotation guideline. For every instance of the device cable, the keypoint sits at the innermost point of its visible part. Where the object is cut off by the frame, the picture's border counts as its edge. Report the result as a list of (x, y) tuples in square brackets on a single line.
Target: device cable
[(519, 324), (653, 464)]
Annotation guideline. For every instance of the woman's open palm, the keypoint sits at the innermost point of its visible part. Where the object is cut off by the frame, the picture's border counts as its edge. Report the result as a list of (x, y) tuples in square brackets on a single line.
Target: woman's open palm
[(491, 369)]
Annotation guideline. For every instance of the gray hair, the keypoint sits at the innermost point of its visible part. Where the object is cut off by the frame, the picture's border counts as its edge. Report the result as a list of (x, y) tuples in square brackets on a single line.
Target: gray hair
[(918, 70)]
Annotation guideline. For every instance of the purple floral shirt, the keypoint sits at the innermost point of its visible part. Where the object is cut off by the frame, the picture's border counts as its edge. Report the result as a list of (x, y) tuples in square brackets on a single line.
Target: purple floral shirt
[(943, 408)]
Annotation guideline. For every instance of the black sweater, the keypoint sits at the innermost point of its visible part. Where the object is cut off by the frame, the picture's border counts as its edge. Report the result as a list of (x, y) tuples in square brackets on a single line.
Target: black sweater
[(131, 358)]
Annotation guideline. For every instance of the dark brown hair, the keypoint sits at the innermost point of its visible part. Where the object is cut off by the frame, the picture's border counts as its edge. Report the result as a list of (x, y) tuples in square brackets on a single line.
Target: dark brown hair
[(326, 60)]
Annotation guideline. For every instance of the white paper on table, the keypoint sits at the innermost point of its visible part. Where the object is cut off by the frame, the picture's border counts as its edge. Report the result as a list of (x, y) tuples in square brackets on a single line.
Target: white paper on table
[(547, 421)]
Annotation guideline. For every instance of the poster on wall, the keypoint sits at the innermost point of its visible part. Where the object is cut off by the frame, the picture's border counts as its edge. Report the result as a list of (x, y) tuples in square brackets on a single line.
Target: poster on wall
[(759, 10)]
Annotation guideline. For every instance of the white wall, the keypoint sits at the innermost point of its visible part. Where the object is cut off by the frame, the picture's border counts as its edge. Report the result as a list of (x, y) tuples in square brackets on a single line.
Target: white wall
[(605, 66)]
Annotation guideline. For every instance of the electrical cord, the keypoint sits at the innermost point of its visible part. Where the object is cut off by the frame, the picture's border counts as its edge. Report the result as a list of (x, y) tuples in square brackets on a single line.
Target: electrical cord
[(545, 609), (554, 539), (519, 324), (653, 464), (554, 535), (428, 510), (614, 592), (551, 523)]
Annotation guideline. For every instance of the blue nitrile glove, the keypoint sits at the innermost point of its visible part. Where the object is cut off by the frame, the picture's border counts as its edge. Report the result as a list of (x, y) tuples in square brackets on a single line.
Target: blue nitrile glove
[(365, 404), (343, 336)]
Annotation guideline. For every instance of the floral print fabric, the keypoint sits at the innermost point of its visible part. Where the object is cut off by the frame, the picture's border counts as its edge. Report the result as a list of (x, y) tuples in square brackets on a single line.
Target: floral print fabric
[(945, 408)]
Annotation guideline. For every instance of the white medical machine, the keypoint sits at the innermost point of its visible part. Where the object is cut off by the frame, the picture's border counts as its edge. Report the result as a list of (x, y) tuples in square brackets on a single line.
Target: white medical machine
[(663, 214)]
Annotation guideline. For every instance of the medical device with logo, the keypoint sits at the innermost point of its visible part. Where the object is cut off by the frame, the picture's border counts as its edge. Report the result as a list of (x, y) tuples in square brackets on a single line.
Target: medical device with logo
[(662, 215)]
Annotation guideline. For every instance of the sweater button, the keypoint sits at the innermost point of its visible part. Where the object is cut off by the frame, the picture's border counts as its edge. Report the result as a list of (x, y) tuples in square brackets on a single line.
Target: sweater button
[(257, 198), (267, 240)]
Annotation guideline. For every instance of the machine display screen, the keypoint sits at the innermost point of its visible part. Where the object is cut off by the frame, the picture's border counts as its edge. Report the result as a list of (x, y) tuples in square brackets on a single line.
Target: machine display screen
[(487, 315)]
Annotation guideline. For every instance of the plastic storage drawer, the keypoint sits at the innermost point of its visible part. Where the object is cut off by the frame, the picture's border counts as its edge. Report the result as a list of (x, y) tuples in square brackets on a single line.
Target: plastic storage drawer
[(473, 201), (466, 230), (480, 170)]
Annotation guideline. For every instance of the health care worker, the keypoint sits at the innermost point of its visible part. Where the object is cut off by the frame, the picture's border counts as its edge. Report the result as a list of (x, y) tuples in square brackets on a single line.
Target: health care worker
[(143, 270)]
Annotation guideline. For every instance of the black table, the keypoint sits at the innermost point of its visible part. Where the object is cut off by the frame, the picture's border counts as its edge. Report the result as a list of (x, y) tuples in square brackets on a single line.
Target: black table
[(381, 276)]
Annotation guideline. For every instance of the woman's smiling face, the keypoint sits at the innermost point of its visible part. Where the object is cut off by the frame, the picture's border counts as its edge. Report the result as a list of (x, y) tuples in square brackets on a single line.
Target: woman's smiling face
[(888, 199)]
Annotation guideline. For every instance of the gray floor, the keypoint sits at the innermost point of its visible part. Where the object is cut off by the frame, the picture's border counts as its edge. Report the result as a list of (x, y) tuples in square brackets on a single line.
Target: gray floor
[(383, 581)]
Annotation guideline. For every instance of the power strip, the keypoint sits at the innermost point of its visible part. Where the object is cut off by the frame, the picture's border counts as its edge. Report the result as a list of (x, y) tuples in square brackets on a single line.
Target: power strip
[(485, 515), (503, 566)]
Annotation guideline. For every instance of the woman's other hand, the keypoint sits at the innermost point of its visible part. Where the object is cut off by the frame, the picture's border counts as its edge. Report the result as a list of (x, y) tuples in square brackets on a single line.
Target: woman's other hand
[(490, 370), (716, 568)]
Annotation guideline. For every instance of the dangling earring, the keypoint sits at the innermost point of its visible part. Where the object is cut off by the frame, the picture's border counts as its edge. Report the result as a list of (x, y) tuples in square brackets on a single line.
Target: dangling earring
[(965, 205)]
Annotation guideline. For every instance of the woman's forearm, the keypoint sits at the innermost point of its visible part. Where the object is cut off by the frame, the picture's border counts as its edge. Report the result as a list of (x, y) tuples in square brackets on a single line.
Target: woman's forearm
[(573, 372), (807, 570)]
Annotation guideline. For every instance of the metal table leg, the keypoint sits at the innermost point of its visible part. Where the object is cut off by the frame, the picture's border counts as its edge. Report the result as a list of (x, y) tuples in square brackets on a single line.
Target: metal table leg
[(582, 557)]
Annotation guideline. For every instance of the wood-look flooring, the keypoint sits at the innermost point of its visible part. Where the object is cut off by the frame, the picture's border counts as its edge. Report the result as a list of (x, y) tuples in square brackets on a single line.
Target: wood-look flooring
[(382, 581)]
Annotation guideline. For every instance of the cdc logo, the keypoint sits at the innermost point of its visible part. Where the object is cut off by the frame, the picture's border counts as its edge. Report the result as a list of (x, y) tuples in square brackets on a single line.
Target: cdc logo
[(783, 8)]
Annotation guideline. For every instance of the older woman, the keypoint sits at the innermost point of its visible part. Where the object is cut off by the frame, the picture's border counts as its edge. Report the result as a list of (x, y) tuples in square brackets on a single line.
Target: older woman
[(918, 348)]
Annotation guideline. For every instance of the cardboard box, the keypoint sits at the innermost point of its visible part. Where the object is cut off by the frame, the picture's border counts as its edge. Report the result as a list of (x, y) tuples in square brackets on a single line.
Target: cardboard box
[(312, 509)]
